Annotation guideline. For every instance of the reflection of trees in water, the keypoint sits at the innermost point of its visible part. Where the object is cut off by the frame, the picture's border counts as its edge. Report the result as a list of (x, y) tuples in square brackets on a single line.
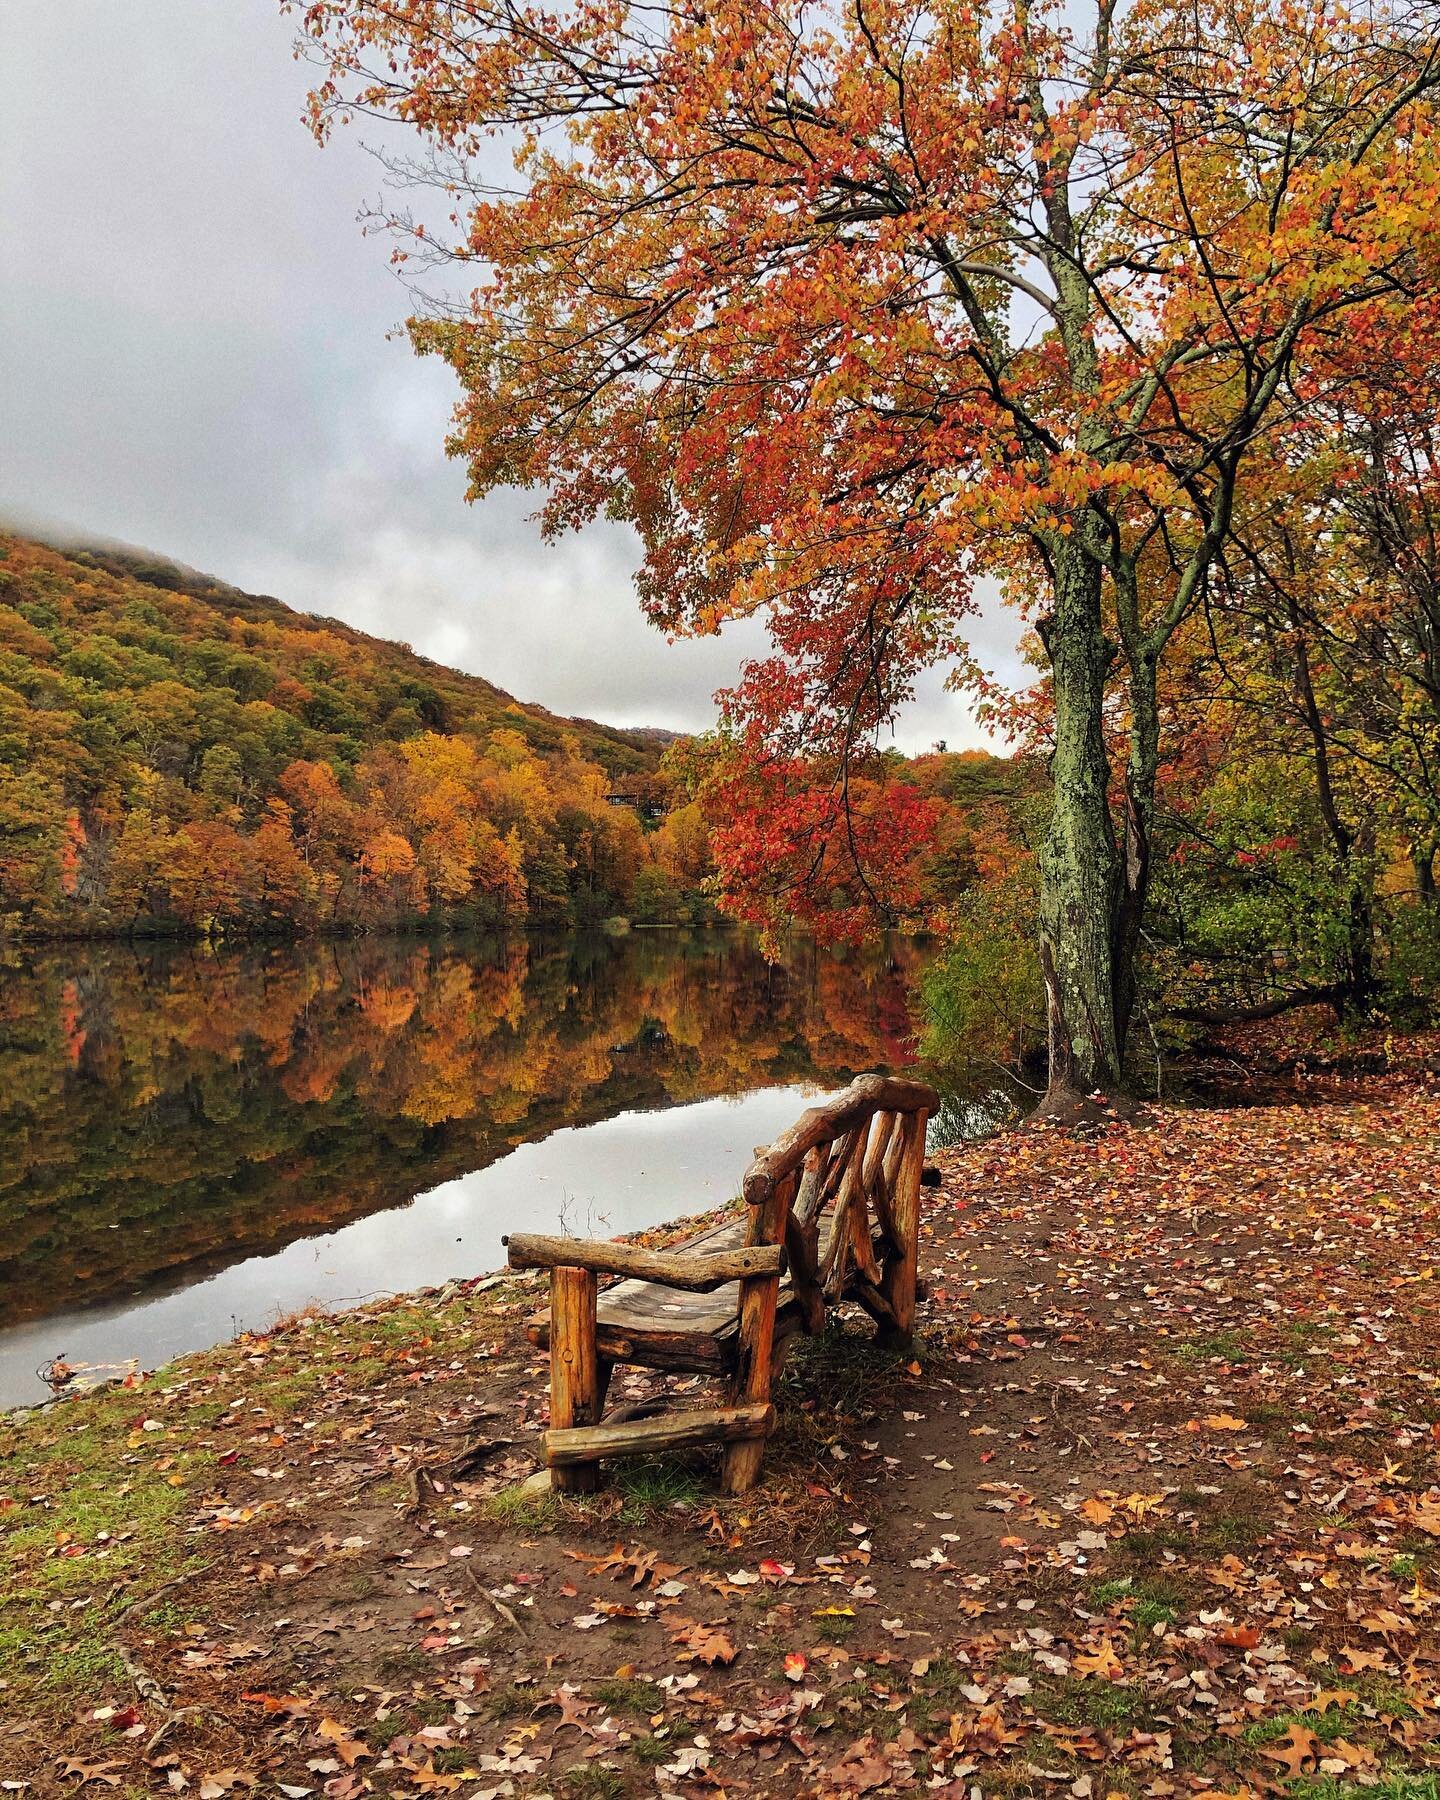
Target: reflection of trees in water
[(978, 1111), (169, 1108)]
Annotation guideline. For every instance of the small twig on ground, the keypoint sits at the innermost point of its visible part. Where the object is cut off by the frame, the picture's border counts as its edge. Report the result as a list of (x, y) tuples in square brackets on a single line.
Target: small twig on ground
[(146, 1686), (504, 1611)]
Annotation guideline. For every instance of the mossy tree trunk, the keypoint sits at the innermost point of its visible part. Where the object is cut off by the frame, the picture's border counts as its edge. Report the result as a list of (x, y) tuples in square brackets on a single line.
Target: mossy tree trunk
[(1082, 946)]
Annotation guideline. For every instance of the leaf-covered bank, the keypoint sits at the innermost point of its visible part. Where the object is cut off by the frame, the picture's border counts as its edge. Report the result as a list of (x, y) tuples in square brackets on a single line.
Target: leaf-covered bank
[(1153, 1509)]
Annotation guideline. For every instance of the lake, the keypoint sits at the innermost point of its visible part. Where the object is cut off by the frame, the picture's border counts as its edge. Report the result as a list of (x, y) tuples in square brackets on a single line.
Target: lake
[(195, 1142)]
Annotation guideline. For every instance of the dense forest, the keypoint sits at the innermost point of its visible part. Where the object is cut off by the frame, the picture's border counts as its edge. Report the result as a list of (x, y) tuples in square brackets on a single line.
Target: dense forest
[(180, 755)]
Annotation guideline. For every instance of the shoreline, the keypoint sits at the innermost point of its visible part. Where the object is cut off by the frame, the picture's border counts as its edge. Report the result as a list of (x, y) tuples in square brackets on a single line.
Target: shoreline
[(1101, 1474)]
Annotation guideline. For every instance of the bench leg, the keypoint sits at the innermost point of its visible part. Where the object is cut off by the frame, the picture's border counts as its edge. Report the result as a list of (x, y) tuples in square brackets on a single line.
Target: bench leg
[(901, 1269), (759, 1296), (575, 1389)]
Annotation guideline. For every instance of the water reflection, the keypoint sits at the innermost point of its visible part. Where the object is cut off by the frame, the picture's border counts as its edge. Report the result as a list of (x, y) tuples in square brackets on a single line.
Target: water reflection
[(191, 1140)]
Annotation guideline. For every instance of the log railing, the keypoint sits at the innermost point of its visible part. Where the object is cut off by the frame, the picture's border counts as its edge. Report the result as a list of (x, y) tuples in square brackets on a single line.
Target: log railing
[(833, 1208)]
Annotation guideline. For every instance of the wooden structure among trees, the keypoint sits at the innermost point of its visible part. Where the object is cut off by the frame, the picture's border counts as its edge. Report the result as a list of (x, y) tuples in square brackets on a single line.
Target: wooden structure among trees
[(832, 1213)]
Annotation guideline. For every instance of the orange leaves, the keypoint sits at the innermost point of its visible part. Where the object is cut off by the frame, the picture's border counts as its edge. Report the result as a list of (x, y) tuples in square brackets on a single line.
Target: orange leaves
[(702, 1643), (789, 372), (1217, 1422), (343, 1742), (1101, 1662)]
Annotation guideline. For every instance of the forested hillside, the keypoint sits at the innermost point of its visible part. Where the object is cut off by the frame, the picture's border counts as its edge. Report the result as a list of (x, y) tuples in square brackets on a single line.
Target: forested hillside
[(177, 754)]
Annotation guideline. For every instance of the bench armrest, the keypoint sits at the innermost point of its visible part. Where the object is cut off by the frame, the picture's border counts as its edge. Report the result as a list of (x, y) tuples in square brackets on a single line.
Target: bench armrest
[(697, 1272)]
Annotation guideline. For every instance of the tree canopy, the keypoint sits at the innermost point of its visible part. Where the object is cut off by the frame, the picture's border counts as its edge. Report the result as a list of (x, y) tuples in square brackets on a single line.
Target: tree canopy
[(847, 306)]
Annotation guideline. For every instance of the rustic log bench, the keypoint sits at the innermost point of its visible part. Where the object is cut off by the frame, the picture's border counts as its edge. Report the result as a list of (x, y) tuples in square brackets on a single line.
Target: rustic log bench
[(832, 1213)]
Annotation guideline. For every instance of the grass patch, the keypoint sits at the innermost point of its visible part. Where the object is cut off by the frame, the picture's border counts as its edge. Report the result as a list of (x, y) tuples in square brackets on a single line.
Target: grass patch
[(592, 1781), (513, 1702), (1396, 1786), (834, 1628), (937, 1693), (91, 1509), (651, 1749), (1338, 1722), (1074, 1701), (629, 1695), (1218, 1346), (655, 1484), (525, 1512)]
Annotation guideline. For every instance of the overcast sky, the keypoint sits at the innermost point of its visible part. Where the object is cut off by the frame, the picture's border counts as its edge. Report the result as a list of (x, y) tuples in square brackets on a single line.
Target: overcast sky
[(197, 355)]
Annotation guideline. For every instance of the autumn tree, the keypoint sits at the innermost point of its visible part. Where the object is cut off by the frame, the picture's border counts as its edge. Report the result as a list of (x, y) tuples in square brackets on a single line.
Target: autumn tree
[(843, 306)]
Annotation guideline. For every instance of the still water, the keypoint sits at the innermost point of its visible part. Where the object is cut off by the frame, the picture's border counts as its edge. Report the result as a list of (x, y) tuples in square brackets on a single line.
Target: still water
[(196, 1142)]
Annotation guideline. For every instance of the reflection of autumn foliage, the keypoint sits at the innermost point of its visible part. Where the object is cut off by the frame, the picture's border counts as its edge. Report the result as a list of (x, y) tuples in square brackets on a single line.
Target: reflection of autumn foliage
[(207, 1106)]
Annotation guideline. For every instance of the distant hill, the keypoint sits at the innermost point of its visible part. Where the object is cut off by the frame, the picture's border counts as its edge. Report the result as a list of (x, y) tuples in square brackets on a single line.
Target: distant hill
[(176, 753), (616, 748)]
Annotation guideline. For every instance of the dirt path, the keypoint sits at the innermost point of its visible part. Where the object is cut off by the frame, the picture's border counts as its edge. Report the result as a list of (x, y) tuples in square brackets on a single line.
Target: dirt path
[(1152, 1509)]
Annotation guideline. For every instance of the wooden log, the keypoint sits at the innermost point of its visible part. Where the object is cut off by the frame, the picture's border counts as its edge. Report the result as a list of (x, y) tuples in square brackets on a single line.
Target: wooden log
[(862, 1289), (574, 1367), (680, 1351), (802, 1240), (809, 1194), (887, 1128), (699, 1272), (841, 1151), (894, 1156), (849, 1244), (865, 1096), (758, 1298), (801, 1244), (900, 1269), (567, 1451)]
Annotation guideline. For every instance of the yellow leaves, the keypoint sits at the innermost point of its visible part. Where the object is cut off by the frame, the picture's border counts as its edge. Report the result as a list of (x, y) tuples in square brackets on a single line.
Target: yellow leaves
[(1104, 1508), (1216, 1422), (1101, 1662), (345, 1745)]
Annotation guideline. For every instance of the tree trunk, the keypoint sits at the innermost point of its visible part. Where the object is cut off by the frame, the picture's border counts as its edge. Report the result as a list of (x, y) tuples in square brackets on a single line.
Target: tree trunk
[(1359, 984), (1141, 773), (1080, 894)]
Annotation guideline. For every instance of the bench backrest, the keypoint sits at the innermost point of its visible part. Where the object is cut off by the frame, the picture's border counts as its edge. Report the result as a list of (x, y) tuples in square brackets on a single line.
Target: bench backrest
[(857, 1158)]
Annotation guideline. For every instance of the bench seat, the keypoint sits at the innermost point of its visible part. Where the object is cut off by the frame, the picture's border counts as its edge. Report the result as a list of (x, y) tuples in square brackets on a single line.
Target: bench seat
[(666, 1328)]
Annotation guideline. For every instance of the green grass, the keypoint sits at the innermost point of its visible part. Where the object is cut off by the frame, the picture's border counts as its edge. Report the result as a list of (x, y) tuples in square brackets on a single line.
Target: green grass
[(1072, 1700), (1337, 1722), (937, 1693), (652, 1749), (592, 1781), (629, 1695), (835, 1628), (1397, 1786), (97, 1514), (655, 1484), (78, 1477), (524, 1512)]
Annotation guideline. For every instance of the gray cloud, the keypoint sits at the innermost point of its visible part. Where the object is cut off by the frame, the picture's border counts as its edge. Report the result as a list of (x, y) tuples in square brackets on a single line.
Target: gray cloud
[(197, 355)]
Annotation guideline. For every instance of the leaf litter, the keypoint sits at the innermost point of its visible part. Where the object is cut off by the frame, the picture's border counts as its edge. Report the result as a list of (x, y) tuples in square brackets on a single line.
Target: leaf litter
[(1152, 1509)]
